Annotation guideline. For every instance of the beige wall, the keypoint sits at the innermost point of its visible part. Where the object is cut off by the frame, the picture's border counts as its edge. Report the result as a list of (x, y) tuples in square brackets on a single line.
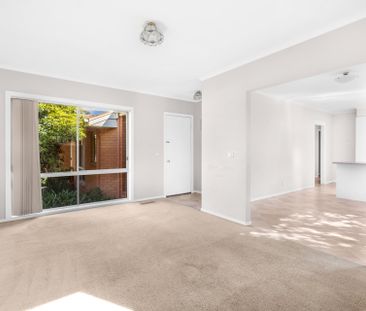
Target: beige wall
[(344, 137), (226, 180), (197, 146), (148, 124), (282, 146)]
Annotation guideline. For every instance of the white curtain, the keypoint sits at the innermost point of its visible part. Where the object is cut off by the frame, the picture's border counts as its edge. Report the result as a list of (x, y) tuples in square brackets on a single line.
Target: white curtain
[(26, 183)]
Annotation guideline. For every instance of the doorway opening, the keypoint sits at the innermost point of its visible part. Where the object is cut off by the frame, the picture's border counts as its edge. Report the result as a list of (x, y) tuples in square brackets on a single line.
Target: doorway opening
[(318, 143), (319, 160)]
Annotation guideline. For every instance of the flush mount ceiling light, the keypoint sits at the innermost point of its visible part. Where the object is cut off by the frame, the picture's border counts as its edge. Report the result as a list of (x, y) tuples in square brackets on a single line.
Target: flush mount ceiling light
[(151, 35), (197, 95), (345, 77)]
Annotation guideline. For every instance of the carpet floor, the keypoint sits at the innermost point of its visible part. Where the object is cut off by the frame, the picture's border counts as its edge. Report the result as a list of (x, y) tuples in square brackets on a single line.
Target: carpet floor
[(166, 256)]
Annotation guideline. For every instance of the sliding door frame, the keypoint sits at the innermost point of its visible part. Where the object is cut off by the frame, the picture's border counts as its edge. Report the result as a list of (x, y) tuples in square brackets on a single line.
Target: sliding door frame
[(9, 95)]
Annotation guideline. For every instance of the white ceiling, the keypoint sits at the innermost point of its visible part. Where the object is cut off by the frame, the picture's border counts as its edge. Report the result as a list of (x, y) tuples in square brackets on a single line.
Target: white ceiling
[(97, 41), (323, 93)]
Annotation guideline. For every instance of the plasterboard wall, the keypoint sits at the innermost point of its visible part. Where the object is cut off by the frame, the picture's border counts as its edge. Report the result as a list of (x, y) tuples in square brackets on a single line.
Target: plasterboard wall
[(282, 146), (344, 129), (361, 136)]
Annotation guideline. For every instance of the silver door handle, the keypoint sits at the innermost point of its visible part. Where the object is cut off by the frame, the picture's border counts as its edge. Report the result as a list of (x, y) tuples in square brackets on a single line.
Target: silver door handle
[(167, 142), (167, 161)]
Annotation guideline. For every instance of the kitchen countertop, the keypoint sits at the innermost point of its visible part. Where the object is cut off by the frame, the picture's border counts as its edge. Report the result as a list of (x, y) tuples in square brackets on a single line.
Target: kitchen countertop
[(357, 163)]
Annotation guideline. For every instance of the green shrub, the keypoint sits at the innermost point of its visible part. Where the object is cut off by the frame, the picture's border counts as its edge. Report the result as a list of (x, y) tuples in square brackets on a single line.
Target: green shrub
[(52, 198), (93, 195), (58, 192)]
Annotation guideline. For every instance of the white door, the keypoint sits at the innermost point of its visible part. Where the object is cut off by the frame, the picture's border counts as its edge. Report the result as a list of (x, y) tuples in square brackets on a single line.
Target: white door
[(178, 154)]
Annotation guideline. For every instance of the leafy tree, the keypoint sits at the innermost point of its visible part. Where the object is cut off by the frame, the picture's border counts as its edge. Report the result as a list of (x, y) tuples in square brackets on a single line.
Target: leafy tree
[(57, 126)]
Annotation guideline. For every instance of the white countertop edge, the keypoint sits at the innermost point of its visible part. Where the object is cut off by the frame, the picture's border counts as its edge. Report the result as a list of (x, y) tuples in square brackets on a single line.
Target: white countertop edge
[(356, 163)]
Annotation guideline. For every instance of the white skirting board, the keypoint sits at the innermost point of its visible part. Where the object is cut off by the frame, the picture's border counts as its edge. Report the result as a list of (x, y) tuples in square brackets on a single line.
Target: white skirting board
[(227, 218), (285, 192)]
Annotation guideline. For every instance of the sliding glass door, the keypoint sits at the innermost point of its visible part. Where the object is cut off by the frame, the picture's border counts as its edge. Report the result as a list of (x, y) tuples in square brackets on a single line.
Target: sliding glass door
[(83, 154)]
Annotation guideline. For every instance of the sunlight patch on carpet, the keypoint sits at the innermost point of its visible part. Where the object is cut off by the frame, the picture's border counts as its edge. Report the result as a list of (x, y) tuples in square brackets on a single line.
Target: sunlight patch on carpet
[(80, 301)]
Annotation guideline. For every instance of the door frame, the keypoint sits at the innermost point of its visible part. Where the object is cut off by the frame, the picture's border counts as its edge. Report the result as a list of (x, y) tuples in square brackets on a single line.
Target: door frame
[(9, 95), (322, 150), (191, 118)]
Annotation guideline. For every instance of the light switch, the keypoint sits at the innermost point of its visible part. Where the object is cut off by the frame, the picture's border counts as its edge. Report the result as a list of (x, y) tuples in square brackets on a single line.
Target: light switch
[(232, 155)]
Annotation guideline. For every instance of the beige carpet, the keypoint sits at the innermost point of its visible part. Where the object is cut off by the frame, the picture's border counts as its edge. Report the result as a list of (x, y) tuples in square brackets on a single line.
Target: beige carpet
[(192, 200), (165, 256)]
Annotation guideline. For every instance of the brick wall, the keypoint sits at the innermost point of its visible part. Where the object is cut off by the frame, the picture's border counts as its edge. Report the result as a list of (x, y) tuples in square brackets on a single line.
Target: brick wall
[(68, 156), (110, 153)]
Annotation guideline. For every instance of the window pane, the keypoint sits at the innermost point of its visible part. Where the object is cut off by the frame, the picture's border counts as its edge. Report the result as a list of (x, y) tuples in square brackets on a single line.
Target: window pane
[(59, 191), (95, 188), (57, 137), (102, 139)]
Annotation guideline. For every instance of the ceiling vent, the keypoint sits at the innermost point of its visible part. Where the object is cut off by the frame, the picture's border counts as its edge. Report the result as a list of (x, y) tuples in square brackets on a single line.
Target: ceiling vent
[(345, 77)]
